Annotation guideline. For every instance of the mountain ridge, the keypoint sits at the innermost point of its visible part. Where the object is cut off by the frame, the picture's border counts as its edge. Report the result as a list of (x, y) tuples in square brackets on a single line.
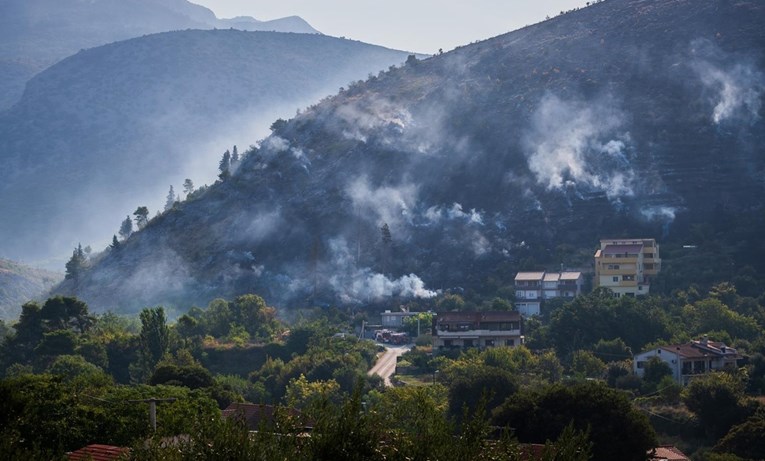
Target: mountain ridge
[(111, 127), (623, 118), (35, 34)]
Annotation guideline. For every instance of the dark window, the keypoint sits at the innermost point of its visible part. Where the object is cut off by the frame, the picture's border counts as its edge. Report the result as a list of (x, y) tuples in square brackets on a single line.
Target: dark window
[(510, 342), (616, 278)]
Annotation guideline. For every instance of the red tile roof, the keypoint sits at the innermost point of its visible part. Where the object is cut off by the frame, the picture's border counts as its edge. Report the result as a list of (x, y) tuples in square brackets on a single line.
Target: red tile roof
[(668, 453), (97, 452)]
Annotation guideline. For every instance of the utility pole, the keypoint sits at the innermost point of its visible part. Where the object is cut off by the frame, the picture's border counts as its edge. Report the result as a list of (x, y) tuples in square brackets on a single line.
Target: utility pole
[(153, 409)]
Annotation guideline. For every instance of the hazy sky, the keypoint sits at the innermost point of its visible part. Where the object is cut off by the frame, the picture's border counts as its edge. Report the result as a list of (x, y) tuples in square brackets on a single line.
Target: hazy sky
[(413, 25)]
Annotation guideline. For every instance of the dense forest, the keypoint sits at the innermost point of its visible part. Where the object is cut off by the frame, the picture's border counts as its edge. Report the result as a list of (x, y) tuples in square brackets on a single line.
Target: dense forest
[(72, 378)]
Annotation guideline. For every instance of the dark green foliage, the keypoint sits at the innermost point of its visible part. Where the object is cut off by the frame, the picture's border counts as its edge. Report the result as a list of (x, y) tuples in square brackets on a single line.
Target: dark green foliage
[(487, 386), (746, 440), (76, 265), (718, 401), (617, 429), (655, 370), (155, 336), (191, 376), (588, 319)]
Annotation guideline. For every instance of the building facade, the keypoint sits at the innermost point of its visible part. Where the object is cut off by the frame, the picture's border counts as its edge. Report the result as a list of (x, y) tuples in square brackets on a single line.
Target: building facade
[(532, 288), (691, 359), (458, 330), (627, 266)]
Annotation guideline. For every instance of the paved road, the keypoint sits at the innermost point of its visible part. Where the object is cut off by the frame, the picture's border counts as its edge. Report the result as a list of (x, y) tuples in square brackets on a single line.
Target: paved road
[(386, 363)]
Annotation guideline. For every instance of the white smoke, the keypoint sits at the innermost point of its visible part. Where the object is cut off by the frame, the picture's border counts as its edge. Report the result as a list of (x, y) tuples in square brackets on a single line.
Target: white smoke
[(659, 213), (735, 88), (577, 143), (436, 214), (361, 118), (354, 284), (387, 204)]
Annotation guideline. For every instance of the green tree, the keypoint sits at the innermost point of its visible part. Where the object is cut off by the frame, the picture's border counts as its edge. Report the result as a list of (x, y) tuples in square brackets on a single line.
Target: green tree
[(617, 429), (170, 199), (66, 312), (718, 401), (126, 228), (655, 369), (746, 440), (224, 166), (188, 187), (76, 266), (586, 365), (141, 217), (155, 337), (115, 245)]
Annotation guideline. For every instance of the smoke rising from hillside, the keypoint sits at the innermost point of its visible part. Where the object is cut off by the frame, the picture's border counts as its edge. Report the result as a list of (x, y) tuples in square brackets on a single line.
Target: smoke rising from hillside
[(355, 284), (575, 143), (386, 204), (734, 85)]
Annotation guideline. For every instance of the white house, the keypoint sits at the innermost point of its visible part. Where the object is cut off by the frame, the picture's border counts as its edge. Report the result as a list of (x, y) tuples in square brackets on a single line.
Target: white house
[(691, 359)]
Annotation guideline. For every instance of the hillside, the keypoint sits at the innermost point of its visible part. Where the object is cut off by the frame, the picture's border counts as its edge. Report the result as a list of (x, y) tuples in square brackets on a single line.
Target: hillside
[(19, 284), (35, 34), (110, 128), (624, 118)]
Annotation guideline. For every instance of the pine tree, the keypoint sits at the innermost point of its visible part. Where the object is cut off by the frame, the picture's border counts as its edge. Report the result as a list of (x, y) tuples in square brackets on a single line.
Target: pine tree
[(141, 217), (115, 243), (235, 157), (75, 266), (126, 228), (188, 187), (170, 199), (225, 166)]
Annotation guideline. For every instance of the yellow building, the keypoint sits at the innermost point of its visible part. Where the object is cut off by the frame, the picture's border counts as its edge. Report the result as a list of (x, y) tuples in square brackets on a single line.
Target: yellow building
[(626, 266)]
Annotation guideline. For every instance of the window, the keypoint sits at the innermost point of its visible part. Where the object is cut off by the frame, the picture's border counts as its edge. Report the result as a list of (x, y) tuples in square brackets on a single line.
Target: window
[(613, 267), (510, 342), (640, 365), (489, 342), (616, 278), (648, 255), (628, 278), (468, 343)]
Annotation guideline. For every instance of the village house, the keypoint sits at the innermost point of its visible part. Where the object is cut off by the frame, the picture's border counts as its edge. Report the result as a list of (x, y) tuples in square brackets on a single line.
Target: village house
[(691, 359), (454, 330), (627, 266), (532, 288)]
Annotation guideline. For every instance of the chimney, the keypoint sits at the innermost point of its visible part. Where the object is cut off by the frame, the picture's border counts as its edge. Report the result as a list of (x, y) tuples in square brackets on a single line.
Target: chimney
[(705, 340)]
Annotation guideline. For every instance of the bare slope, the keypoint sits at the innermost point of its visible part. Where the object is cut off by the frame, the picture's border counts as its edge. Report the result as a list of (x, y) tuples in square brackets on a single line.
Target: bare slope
[(112, 127), (618, 119)]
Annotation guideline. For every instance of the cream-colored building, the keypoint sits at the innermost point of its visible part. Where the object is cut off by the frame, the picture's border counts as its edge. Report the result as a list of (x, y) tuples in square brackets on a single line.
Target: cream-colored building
[(627, 266), (532, 288)]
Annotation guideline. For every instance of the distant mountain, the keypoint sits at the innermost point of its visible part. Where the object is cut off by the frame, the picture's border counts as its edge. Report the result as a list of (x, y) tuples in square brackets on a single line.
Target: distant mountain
[(625, 118), (112, 127), (35, 34), (19, 284)]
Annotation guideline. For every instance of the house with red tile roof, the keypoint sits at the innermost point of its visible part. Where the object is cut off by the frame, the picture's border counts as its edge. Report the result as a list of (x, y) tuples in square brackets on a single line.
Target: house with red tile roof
[(690, 359)]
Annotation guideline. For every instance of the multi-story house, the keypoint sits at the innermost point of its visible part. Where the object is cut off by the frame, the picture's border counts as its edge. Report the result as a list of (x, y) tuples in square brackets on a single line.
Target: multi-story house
[(691, 359), (626, 266), (532, 288), (452, 330)]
